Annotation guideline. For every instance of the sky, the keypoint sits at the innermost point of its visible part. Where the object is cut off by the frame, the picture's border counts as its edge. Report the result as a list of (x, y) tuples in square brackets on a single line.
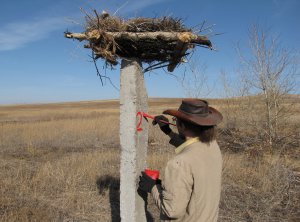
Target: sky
[(39, 65)]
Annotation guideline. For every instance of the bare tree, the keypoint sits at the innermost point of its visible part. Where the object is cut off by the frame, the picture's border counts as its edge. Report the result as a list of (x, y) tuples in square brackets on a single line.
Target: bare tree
[(269, 72), (194, 80), (231, 94)]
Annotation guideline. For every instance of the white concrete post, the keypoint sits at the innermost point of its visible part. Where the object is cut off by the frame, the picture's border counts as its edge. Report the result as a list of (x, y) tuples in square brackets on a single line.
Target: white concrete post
[(133, 99)]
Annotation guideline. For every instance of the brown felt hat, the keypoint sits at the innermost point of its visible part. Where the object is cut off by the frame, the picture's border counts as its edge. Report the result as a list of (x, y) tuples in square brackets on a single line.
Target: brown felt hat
[(196, 111)]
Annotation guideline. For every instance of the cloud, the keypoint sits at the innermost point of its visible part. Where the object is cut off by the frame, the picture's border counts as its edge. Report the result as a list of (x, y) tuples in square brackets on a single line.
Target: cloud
[(17, 34)]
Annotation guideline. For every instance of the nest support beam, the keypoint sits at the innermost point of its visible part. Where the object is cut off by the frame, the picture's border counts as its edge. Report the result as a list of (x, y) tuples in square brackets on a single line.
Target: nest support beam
[(186, 37)]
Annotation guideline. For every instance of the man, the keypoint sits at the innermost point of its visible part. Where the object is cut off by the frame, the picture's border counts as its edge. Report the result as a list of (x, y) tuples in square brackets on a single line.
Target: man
[(192, 183)]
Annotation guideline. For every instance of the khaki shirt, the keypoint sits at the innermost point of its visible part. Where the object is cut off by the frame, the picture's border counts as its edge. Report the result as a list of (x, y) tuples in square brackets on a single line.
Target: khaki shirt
[(192, 184)]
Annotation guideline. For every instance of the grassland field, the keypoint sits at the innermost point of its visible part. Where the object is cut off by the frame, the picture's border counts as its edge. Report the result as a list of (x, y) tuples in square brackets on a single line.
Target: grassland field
[(60, 162)]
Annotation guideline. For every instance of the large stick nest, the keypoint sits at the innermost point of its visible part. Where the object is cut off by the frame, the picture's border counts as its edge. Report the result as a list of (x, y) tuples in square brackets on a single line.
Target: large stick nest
[(162, 40)]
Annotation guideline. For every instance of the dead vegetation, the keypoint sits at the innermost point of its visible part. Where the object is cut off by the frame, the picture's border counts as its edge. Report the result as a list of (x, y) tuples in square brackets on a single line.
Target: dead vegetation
[(163, 40), (60, 162)]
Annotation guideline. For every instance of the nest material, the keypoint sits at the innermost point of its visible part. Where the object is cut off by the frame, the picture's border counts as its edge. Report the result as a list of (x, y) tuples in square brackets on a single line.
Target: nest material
[(165, 40)]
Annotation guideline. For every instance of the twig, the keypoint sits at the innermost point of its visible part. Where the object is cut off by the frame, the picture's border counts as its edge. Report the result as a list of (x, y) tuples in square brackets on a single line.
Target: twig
[(149, 68), (122, 6), (101, 76), (208, 28), (157, 67), (72, 21), (202, 25), (98, 19), (214, 34), (184, 73), (98, 73), (83, 11), (207, 47)]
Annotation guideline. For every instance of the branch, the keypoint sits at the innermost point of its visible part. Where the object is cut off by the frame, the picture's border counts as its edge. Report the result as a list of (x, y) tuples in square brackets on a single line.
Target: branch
[(98, 73), (186, 37), (79, 36), (102, 76)]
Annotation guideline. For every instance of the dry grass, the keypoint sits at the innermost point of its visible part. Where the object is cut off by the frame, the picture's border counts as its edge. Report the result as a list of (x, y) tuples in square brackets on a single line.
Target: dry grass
[(267, 190), (60, 162)]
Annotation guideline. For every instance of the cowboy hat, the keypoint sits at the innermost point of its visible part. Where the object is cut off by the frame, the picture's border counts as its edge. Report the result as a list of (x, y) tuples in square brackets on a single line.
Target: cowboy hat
[(196, 111)]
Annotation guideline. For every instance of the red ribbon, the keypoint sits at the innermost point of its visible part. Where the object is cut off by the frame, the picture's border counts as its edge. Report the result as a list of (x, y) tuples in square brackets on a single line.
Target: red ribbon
[(146, 115)]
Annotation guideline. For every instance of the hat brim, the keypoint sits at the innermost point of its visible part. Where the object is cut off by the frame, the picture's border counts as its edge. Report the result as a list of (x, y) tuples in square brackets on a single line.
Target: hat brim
[(213, 118)]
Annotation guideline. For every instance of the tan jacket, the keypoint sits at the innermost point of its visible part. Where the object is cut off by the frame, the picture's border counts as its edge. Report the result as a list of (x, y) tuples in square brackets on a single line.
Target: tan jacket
[(192, 184)]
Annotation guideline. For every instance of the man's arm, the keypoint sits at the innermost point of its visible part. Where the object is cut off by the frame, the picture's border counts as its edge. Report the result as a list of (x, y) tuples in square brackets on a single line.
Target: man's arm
[(176, 140), (172, 199)]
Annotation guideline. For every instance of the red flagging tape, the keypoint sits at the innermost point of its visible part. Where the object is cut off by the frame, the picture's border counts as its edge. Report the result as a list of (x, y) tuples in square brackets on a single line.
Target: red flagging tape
[(146, 115)]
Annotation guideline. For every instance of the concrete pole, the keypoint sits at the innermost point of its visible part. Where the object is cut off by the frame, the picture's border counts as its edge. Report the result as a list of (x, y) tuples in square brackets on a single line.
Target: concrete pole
[(133, 99)]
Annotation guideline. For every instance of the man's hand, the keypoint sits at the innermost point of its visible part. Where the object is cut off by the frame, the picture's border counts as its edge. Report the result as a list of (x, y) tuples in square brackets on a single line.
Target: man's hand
[(163, 126), (146, 183)]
